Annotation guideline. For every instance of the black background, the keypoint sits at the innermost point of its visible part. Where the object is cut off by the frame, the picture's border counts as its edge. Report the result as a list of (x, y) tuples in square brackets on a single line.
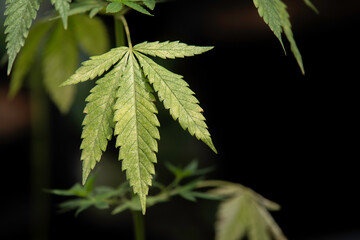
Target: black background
[(291, 138)]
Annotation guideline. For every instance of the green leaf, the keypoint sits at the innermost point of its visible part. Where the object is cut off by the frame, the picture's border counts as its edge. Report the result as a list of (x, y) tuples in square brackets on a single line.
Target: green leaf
[(27, 56), (59, 62), (63, 7), (311, 5), (134, 203), (170, 49), (96, 66), (190, 170), (79, 204), (136, 7), (285, 22), (93, 12), (276, 16), (98, 122), (114, 7), (84, 6), (174, 92), (244, 214), (150, 4), (134, 114), (91, 34), (76, 190), (268, 10), (19, 17), (136, 128)]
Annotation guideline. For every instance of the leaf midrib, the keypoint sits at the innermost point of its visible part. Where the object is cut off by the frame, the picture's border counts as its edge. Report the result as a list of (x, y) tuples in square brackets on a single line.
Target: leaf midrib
[(133, 78)]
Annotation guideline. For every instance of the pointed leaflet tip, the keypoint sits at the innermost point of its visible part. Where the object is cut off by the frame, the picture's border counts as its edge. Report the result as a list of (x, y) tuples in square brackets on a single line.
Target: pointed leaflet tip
[(211, 145), (10, 64), (312, 6), (142, 200), (85, 173)]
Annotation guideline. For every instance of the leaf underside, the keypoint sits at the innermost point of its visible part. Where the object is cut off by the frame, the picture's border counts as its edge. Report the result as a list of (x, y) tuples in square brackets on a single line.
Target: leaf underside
[(245, 214), (59, 62), (123, 99)]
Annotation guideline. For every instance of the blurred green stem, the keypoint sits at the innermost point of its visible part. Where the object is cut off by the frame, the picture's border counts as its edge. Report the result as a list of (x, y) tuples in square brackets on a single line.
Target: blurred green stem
[(127, 31), (40, 158), (119, 32), (139, 226)]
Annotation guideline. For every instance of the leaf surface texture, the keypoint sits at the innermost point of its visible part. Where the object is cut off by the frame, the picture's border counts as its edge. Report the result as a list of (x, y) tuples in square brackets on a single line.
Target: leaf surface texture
[(170, 49), (98, 122), (136, 128), (123, 99), (275, 15), (19, 17), (178, 98), (96, 66)]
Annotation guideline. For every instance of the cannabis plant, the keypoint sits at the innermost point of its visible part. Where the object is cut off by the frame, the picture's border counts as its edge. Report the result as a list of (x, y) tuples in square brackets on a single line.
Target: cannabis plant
[(122, 105)]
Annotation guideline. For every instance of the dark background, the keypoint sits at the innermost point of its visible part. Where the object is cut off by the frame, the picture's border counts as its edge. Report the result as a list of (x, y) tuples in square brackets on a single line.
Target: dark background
[(291, 138)]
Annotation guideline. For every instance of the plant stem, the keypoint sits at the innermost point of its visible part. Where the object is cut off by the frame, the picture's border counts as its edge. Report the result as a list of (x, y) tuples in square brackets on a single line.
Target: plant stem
[(127, 31), (139, 226), (40, 158), (119, 32)]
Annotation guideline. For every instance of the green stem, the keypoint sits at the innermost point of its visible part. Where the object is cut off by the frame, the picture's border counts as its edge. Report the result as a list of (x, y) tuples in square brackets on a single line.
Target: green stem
[(119, 32), (40, 158), (212, 183), (127, 31), (139, 226)]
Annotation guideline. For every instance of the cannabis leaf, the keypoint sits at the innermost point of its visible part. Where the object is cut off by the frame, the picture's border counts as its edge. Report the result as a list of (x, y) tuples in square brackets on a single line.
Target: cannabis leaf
[(96, 66), (59, 62), (268, 10), (170, 49), (136, 127), (91, 34), (93, 7), (56, 51), (123, 99), (245, 213), (88, 196), (116, 5), (276, 16), (177, 96), (150, 4), (98, 122), (20, 14), (63, 7), (311, 5), (27, 56)]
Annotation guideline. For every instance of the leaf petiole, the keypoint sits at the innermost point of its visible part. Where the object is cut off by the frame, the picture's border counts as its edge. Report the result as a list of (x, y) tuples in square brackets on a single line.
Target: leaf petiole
[(127, 31)]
